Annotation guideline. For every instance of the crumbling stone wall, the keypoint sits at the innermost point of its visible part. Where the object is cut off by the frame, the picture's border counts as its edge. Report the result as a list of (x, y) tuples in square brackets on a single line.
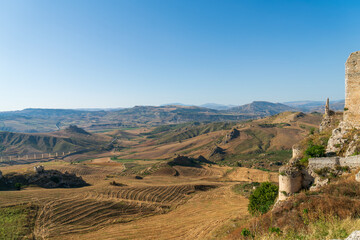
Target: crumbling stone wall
[(289, 183), (352, 90), (329, 162), (352, 161)]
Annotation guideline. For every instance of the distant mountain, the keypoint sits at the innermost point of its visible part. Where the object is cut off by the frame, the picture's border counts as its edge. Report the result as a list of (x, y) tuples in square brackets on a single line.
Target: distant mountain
[(214, 106), (175, 104), (35, 120), (217, 106), (261, 108), (316, 106), (48, 120)]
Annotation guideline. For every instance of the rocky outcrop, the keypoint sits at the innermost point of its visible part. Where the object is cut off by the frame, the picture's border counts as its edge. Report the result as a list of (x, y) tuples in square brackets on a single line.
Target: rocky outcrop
[(337, 139), (39, 169), (232, 135), (189, 161), (216, 151), (45, 179), (357, 177), (354, 236), (76, 129)]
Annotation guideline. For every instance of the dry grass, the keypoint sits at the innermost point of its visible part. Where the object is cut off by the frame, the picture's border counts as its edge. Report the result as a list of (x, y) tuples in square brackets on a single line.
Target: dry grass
[(160, 206), (310, 210)]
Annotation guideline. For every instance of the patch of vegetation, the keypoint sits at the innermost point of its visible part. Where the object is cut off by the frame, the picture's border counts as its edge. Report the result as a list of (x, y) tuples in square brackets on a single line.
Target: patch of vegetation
[(194, 130), (272, 125), (113, 183), (263, 198), (315, 151), (330, 213), (312, 151), (270, 160), (17, 222), (245, 189)]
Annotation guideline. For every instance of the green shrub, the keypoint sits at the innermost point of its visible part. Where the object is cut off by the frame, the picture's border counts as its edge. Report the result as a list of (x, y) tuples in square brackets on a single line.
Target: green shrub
[(312, 131), (304, 161), (245, 232), (315, 151), (262, 198), (18, 186), (275, 230)]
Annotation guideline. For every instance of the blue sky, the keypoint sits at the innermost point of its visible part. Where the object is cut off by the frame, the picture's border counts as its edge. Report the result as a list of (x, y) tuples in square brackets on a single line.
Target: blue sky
[(85, 53)]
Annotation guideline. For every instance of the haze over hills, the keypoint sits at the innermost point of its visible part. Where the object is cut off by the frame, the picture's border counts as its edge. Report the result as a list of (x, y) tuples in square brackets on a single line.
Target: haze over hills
[(47, 120), (261, 108), (316, 106)]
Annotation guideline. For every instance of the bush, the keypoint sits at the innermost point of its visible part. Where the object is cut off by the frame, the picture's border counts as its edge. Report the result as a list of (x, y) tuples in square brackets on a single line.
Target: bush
[(315, 151), (18, 186), (245, 232), (275, 230), (263, 198), (312, 131)]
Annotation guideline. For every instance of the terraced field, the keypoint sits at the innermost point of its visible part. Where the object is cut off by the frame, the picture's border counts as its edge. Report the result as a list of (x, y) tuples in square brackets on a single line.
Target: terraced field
[(91, 211), (200, 218), (204, 172), (194, 203)]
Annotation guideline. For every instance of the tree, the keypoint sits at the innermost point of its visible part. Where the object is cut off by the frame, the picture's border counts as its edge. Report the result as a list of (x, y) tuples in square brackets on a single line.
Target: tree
[(263, 198)]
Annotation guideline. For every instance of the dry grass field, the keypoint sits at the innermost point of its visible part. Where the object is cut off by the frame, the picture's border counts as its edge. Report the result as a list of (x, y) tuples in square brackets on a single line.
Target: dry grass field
[(195, 204), (133, 192)]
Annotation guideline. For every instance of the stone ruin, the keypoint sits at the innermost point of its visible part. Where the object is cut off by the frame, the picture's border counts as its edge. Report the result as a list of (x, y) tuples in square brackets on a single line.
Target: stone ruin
[(39, 169), (291, 178), (351, 116), (327, 118), (352, 90)]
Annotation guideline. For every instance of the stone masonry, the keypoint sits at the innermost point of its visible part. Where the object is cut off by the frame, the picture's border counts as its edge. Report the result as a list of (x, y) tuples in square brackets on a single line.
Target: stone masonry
[(291, 178), (352, 90)]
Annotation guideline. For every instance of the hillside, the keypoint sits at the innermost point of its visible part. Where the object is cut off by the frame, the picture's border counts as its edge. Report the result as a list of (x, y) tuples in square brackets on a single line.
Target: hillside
[(71, 139), (260, 143), (49, 120), (261, 108), (316, 106)]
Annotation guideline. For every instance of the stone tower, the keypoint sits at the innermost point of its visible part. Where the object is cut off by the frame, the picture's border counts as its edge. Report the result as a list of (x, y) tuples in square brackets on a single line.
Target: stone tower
[(352, 90), (327, 108)]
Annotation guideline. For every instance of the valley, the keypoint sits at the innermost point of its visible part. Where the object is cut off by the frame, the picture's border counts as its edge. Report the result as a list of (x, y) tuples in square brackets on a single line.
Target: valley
[(170, 181)]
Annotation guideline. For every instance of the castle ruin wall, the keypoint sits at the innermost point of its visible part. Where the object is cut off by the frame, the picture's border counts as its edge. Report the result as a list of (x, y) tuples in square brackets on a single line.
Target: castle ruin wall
[(289, 184), (332, 162), (318, 163), (352, 90), (352, 161)]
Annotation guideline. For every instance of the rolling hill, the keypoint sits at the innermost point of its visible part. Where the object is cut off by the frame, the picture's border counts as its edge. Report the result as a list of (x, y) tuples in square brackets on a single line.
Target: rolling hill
[(261, 108), (71, 139), (261, 143), (48, 120)]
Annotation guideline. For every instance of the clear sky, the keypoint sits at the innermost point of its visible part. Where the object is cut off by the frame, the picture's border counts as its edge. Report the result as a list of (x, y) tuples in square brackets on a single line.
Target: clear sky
[(121, 53)]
